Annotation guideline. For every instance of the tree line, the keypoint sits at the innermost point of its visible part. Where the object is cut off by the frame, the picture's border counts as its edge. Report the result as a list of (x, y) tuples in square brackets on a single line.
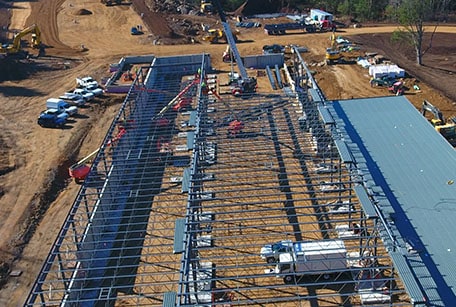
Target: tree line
[(362, 10)]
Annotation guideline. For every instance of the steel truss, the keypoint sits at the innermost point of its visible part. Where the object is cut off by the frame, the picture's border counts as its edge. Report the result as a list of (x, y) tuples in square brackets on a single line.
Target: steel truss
[(176, 208)]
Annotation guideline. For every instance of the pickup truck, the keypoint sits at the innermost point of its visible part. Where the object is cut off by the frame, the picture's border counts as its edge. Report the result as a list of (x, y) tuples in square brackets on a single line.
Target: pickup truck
[(86, 81), (73, 99), (94, 90), (52, 118), (86, 95), (61, 106), (271, 252)]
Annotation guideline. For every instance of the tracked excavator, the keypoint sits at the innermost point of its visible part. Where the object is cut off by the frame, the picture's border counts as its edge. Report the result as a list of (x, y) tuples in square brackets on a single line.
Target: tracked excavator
[(15, 46), (447, 128)]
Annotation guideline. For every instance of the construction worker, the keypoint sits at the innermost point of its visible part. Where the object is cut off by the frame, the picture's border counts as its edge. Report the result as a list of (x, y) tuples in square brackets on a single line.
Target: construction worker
[(204, 88)]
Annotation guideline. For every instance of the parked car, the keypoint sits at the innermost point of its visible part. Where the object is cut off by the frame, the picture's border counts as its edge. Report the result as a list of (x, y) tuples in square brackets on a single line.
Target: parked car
[(52, 118)]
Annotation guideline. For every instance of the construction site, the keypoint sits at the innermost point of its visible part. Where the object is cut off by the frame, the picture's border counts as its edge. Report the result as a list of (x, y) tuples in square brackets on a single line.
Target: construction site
[(244, 184)]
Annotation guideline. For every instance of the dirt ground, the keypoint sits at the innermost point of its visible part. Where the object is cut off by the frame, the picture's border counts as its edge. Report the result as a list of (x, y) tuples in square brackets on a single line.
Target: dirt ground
[(35, 190)]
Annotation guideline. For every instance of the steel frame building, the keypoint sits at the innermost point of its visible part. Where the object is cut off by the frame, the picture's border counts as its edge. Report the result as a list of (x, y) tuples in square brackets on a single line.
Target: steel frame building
[(177, 207)]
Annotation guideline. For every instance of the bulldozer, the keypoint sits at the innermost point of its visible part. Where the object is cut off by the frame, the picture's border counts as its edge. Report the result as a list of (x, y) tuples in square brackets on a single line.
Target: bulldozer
[(15, 47), (447, 128)]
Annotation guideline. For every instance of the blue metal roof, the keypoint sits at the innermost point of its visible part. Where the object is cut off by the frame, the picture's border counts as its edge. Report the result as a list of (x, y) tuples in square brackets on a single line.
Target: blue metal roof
[(415, 167)]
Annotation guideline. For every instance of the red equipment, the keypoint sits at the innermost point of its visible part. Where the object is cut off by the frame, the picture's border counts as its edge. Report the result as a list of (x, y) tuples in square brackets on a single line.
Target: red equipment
[(235, 127)]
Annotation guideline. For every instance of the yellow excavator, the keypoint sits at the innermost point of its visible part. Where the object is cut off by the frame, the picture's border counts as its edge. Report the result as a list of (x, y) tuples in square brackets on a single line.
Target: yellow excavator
[(333, 54), (15, 47), (447, 128)]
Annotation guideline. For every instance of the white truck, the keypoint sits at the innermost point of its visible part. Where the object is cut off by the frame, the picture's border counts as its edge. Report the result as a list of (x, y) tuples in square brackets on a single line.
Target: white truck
[(61, 106), (86, 81), (271, 252), (323, 20), (86, 95), (310, 258), (94, 89), (73, 99)]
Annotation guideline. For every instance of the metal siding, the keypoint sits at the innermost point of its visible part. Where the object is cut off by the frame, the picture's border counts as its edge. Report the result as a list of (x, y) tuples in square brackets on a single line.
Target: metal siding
[(325, 115), (407, 276), (344, 152), (190, 140), (185, 180), (315, 95), (179, 233), (169, 299), (192, 119), (366, 203)]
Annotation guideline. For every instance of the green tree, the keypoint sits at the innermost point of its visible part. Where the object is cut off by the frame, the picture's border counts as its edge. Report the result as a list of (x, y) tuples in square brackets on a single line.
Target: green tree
[(412, 15)]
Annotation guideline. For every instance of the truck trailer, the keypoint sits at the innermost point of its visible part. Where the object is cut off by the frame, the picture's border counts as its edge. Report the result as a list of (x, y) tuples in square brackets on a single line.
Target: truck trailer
[(312, 258)]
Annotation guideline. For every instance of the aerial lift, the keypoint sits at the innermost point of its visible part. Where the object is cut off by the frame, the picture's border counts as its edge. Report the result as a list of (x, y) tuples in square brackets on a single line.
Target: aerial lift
[(244, 85), (446, 128), (15, 47)]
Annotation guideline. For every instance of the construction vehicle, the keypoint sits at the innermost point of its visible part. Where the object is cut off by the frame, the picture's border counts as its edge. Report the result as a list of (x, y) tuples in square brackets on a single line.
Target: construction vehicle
[(324, 21), (312, 258), (397, 88), (245, 85), (228, 56), (16, 47), (206, 7), (446, 128), (333, 54), (80, 169), (214, 36)]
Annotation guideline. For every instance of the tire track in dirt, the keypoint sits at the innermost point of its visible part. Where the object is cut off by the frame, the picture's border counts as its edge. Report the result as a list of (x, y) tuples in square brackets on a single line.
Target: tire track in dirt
[(44, 14)]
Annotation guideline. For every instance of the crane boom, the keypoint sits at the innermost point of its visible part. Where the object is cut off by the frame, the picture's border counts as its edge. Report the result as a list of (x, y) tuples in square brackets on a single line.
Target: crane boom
[(231, 40)]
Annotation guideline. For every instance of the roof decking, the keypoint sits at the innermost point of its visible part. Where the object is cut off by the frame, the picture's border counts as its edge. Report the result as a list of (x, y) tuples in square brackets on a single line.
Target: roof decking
[(416, 168)]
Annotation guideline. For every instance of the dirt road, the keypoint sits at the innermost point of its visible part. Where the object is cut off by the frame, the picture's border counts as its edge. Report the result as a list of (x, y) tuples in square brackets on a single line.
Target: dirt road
[(34, 160)]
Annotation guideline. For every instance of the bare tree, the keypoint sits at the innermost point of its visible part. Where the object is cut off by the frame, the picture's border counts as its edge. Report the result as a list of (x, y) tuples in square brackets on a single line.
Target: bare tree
[(412, 15)]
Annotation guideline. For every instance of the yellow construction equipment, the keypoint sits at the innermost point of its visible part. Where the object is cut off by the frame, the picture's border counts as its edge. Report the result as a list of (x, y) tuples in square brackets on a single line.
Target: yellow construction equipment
[(213, 36), (15, 47), (333, 54), (447, 128), (206, 7)]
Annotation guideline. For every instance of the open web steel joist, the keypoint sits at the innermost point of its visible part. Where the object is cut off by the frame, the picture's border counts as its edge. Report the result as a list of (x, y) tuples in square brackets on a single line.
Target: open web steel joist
[(176, 211)]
